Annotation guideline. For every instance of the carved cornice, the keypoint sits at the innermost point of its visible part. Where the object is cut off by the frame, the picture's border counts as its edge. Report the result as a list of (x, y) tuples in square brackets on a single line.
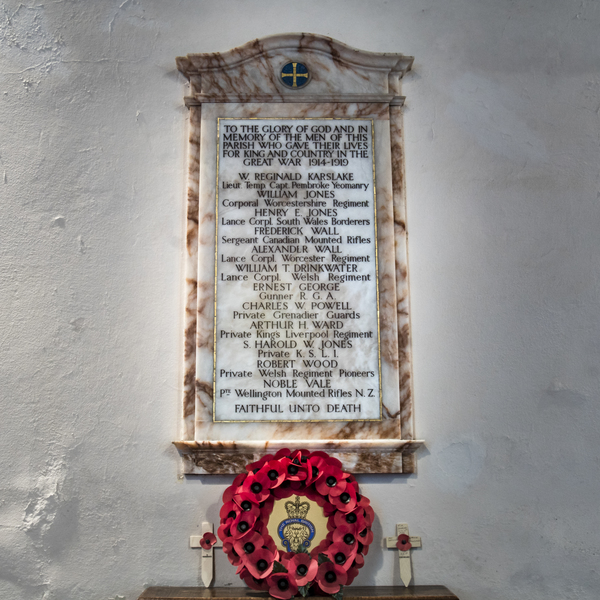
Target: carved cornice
[(195, 64)]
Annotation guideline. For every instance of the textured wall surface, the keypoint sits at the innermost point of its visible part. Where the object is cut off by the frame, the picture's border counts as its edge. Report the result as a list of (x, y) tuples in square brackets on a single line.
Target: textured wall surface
[(502, 166)]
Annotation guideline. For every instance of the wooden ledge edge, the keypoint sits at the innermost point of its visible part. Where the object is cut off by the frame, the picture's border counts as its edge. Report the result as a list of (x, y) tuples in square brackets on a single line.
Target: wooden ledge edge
[(413, 592)]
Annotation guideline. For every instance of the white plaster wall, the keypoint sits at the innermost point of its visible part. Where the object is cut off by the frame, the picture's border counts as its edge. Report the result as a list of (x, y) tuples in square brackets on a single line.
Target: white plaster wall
[(502, 161)]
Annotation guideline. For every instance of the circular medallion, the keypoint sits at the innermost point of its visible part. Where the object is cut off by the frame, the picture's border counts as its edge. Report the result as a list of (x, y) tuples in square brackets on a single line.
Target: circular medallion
[(296, 489), (295, 75)]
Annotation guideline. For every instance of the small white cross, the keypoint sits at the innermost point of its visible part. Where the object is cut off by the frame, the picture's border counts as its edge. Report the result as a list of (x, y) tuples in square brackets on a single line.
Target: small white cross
[(207, 555), (403, 555)]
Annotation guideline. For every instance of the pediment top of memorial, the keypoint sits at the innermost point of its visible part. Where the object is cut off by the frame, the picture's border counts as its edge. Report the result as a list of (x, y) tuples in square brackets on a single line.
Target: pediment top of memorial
[(294, 65), (309, 43)]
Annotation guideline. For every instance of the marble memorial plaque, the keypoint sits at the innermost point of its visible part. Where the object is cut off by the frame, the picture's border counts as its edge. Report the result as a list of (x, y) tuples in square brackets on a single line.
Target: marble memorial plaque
[(296, 327), (297, 330)]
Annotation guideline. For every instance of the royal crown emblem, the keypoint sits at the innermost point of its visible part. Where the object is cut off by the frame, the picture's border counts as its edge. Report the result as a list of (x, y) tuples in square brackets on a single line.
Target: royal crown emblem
[(296, 531), (297, 509)]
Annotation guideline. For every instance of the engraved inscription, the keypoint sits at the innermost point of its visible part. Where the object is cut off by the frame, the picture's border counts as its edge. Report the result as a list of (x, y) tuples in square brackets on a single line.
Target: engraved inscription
[(296, 289)]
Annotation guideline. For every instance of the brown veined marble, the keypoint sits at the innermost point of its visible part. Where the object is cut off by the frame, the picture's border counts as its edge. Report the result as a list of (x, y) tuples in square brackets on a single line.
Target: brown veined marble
[(345, 83)]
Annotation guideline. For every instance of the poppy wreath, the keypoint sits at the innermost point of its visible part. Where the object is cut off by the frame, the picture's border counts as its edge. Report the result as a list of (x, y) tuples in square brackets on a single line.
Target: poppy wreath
[(248, 503)]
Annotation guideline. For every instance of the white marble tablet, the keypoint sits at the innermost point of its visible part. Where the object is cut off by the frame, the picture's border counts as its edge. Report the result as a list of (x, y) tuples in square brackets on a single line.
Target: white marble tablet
[(297, 313)]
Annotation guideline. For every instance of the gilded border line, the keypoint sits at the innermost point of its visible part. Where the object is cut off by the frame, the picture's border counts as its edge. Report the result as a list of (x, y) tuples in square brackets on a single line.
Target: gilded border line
[(216, 273), (214, 420), (376, 268)]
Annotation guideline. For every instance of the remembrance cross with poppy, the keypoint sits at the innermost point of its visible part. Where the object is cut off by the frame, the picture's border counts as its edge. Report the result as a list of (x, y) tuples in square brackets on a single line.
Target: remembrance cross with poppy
[(207, 541), (403, 542)]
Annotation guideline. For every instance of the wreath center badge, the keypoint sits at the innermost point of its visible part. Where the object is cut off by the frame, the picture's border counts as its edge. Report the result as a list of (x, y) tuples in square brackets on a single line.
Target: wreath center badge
[(296, 531), (296, 523)]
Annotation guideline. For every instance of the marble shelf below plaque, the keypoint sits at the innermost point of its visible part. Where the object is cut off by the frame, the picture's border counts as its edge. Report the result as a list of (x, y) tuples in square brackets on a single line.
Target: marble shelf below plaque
[(357, 456), (413, 592)]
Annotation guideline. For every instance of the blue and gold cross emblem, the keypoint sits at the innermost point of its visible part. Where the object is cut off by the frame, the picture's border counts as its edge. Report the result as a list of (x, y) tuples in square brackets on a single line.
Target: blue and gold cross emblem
[(294, 75)]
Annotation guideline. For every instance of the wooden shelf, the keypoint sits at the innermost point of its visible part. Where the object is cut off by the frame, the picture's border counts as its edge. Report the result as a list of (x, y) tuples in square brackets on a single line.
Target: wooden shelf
[(413, 592)]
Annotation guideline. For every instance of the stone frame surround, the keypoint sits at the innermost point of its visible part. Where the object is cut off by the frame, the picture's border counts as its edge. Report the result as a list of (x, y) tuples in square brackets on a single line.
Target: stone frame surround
[(345, 83)]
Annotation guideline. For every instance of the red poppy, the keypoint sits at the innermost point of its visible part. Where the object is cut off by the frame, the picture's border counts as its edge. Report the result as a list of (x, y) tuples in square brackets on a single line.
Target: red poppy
[(239, 479), (303, 568), (329, 509), (285, 490), (260, 563), (284, 452), (354, 520), (314, 469), (275, 472), (359, 561), (229, 510), (228, 544), (256, 486), (232, 489), (229, 550), (248, 544), (261, 528), (208, 540), (365, 537), (341, 555), (260, 585), (331, 577), (403, 542), (295, 469), (331, 482), (351, 574), (351, 480), (259, 463), (270, 544), (285, 557), (242, 525), (299, 455), (320, 549), (246, 504), (354, 484), (345, 535), (329, 459), (346, 501), (298, 487), (312, 494), (224, 531), (266, 508), (363, 501), (369, 515), (282, 586)]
